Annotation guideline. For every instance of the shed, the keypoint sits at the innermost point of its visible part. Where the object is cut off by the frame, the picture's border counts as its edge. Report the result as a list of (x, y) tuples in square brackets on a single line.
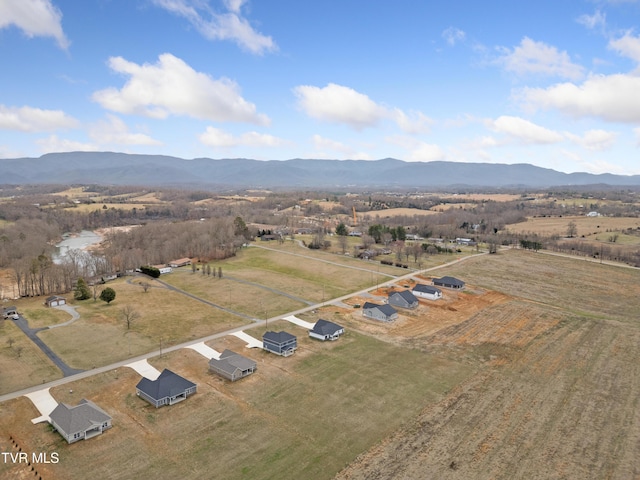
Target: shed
[(326, 330), (449, 282), (403, 299), (384, 313), (167, 389), (427, 291), (84, 421), (232, 366), (281, 343), (55, 301)]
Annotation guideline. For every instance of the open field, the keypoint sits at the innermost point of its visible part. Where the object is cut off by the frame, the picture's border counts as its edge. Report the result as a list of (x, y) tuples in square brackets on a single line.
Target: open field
[(585, 225), (22, 363), (306, 416), (395, 212), (101, 337)]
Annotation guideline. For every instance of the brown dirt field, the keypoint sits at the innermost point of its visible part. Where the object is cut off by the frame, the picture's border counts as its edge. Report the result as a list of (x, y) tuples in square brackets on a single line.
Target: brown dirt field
[(565, 408), (394, 212)]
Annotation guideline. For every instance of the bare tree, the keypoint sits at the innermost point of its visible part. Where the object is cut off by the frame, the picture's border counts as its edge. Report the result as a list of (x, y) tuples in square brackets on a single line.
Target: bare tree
[(129, 315), (145, 286), (572, 229)]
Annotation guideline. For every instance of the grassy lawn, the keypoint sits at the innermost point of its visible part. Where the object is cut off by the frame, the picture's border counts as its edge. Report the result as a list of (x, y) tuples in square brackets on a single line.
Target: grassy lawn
[(22, 363), (305, 416), (101, 337)]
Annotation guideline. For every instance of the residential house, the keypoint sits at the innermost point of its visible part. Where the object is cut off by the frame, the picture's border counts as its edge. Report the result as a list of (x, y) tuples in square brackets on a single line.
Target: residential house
[(180, 262), (84, 421), (427, 291), (167, 389), (384, 313), (55, 301), (326, 330), (281, 343), (232, 366), (449, 282), (403, 299)]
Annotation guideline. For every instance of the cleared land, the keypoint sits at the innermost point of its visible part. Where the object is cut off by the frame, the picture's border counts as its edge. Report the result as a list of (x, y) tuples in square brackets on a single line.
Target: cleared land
[(585, 225)]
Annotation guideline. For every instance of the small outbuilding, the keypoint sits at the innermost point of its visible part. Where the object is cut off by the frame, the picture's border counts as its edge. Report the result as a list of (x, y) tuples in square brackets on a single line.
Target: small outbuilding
[(85, 420), (280, 343), (169, 388), (326, 330), (427, 291), (449, 282), (232, 366), (403, 299), (55, 301), (384, 313)]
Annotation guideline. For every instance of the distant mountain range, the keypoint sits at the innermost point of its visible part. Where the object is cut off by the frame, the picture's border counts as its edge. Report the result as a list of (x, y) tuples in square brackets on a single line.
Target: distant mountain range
[(108, 168)]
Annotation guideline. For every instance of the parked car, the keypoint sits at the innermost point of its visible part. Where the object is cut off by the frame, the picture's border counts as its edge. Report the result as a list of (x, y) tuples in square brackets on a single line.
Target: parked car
[(15, 316)]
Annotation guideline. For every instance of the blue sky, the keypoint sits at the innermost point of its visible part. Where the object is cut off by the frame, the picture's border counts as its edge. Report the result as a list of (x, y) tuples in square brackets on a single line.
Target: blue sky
[(552, 83)]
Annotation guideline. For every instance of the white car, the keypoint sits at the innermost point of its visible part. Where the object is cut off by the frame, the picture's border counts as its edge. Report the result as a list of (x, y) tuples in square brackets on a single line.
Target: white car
[(15, 316)]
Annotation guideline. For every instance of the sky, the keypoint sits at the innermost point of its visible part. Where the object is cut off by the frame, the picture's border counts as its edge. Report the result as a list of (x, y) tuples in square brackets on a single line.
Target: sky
[(553, 83)]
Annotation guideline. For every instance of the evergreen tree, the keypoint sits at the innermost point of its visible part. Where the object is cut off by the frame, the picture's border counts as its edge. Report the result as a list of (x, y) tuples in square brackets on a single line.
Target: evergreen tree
[(81, 291), (108, 295)]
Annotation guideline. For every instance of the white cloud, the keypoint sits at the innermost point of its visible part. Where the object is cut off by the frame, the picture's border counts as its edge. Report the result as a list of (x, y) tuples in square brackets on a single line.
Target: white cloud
[(215, 137), (335, 103), (598, 19), (340, 104), (327, 148), (173, 87), (627, 46), (524, 130), (29, 119), (594, 140), (610, 97), (453, 35), (36, 18), (54, 144), (637, 133), (538, 58), (114, 131), (230, 25)]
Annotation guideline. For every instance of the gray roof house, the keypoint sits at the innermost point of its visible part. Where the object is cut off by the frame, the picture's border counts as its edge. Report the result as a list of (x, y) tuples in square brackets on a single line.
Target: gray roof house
[(281, 343), (232, 366), (427, 291), (403, 299), (326, 330), (449, 282), (384, 313), (167, 389), (84, 421)]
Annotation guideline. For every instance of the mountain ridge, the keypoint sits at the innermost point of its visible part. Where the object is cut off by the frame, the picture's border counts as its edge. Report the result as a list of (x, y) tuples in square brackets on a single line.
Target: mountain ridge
[(114, 168)]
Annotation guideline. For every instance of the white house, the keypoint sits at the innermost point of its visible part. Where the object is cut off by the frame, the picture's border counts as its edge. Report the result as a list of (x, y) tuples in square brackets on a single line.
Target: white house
[(427, 291)]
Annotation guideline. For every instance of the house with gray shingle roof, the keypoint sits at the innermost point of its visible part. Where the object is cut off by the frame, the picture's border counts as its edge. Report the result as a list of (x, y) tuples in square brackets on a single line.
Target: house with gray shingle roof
[(384, 313), (403, 299), (281, 343), (449, 282), (167, 389), (232, 366), (427, 291), (84, 421), (326, 330)]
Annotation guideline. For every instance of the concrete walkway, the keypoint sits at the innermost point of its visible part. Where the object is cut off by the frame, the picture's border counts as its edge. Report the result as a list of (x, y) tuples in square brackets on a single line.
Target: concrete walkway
[(297, 321), (45, 404), (205, 350), (248, 339), (144, 369), (71, 311)]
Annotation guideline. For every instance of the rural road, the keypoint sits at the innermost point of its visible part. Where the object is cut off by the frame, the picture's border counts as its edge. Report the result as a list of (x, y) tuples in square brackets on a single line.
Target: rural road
[(72, 375)]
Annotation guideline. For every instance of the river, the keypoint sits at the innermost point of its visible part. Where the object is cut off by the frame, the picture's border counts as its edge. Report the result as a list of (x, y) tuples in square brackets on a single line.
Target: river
[(80, 241)]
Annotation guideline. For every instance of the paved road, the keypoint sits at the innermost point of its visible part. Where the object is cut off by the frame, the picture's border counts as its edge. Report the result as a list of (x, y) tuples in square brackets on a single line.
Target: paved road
[(32, 333), (88, 373)]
